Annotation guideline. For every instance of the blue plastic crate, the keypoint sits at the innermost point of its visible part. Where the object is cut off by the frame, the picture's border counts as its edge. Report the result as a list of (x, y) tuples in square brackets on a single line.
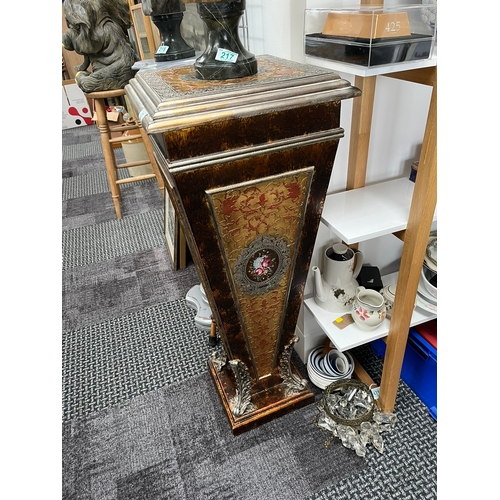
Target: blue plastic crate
[(419, 369)]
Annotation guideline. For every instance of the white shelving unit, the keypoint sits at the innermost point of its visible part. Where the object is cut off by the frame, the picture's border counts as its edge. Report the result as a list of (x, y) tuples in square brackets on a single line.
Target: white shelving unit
[(396, 206), (352, 336), (359, 215), (371, 211), (384, 69)]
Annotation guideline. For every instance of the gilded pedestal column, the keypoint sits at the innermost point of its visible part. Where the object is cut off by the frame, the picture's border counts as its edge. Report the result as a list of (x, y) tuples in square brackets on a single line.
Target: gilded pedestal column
[(247, 163)]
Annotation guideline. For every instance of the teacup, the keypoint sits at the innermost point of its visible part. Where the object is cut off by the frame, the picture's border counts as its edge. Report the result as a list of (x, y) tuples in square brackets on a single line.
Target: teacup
[(368, 309)]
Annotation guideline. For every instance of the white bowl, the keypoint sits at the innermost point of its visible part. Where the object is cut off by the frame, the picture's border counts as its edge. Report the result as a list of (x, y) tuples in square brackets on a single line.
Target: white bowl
[(316, 373), (316, 362), (322, 384), (314, 358), (427, 275), (335, 363)]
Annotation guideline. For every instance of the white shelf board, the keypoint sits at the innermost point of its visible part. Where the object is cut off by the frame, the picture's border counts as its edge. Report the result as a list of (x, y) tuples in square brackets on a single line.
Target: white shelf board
[(371, 211), (352, 336), (353, 69)]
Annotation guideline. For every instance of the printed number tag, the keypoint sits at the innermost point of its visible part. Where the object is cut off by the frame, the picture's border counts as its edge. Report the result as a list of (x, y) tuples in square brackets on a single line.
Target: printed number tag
[(226, 56), (162, 49), (393, 26), (375, 392)]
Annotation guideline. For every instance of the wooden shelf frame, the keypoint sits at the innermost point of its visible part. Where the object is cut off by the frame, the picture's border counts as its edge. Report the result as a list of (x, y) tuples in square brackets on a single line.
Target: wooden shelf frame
[(422, 209), (152, 34), (420, 218)]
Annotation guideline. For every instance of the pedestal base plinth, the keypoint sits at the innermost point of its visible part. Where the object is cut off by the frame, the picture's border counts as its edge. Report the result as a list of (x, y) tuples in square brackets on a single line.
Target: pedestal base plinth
[(270, 399)]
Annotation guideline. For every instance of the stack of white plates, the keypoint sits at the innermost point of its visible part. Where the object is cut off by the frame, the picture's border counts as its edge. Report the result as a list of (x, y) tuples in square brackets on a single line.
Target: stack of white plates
[(425, 299), (322, 378)]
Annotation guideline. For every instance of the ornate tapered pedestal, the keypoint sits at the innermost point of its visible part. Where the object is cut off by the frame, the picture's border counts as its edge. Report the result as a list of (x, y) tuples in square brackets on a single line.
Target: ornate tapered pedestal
[(247, 163)]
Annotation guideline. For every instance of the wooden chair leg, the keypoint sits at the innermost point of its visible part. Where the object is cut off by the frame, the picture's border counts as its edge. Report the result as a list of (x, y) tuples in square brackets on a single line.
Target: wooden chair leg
[(152, 159), (109, 155)]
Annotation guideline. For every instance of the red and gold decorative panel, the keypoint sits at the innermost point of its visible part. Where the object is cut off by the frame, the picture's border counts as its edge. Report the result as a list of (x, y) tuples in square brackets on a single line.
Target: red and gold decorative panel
[(259, 228)]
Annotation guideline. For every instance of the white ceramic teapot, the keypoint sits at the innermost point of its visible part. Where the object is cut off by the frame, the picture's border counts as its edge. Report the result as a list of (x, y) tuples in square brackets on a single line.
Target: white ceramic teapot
[(334, 291), (368, 309)]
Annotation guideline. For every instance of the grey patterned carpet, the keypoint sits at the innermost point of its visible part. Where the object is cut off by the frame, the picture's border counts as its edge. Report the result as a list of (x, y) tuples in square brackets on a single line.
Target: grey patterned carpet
[(141, 419)]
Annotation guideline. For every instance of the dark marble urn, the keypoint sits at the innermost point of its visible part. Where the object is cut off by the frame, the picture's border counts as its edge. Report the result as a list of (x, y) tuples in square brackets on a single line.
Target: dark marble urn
[(225, 57), (167, 16)]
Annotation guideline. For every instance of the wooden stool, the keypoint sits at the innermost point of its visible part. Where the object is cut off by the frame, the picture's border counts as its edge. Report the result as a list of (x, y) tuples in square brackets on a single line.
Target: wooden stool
[(107, 146)]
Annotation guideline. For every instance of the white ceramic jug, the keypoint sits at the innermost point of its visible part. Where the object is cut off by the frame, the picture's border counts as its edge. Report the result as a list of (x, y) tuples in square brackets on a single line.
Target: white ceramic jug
[(336, 288)]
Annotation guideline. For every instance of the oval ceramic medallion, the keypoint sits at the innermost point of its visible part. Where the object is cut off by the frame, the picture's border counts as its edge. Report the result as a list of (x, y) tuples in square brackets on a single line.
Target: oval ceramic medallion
[(262, 264)]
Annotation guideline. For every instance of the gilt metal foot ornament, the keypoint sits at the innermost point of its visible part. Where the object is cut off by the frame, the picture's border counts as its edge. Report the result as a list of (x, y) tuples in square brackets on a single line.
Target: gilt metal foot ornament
[(293, 383), (241, 403), (218, 359)]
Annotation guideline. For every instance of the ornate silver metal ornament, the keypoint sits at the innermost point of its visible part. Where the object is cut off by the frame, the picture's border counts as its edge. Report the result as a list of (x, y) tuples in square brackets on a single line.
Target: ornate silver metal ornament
[(219, 360), (242, 402)]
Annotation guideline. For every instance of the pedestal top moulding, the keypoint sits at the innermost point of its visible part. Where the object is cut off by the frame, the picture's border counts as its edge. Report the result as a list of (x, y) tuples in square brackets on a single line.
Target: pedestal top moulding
[(247, 163)]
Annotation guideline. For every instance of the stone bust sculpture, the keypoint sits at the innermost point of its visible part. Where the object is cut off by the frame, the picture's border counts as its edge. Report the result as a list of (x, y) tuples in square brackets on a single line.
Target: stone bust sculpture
[(97, 29)]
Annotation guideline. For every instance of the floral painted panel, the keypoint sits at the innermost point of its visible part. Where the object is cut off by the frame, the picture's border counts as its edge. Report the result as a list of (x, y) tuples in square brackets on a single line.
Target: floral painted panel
[(259, 228)]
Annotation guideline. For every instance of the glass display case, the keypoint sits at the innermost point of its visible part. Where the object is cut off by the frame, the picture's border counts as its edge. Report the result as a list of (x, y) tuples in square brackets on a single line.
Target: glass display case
[(371, 35)]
